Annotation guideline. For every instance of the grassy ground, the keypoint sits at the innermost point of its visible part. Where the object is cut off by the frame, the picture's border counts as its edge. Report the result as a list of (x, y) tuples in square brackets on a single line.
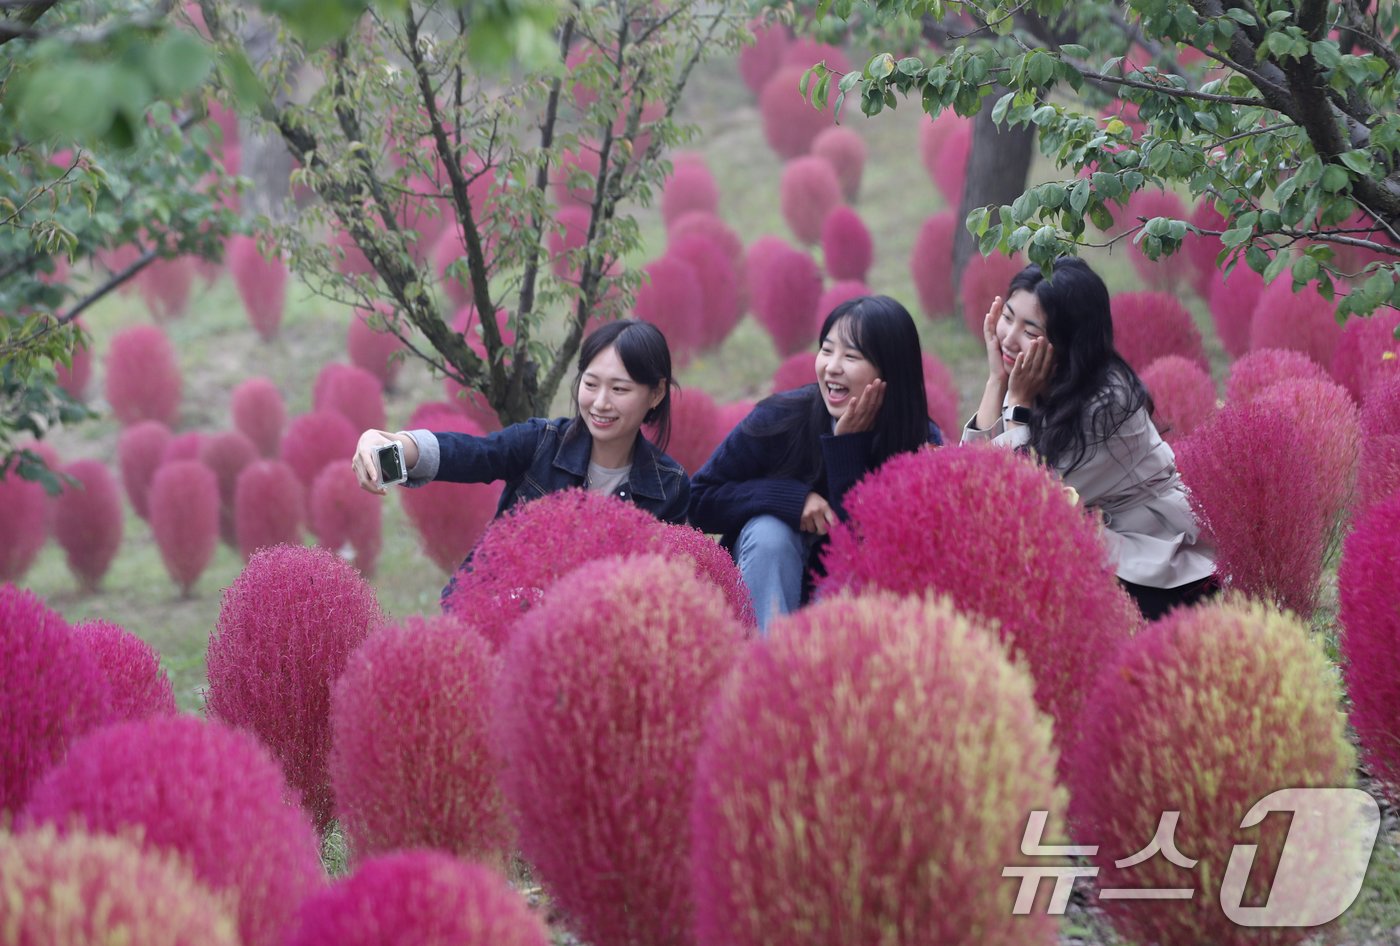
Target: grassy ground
[(217, 350)]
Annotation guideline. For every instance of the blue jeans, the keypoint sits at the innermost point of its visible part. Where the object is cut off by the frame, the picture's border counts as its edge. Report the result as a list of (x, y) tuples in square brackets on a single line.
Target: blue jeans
[(772, 558)]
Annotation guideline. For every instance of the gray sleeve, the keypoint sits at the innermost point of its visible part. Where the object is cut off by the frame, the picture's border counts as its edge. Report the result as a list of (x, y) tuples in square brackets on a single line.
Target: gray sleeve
[(429, 456)]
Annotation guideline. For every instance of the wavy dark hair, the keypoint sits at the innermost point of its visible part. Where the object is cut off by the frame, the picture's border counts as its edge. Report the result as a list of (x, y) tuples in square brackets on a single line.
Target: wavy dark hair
[(1091, 390), (647, 358), (883, 331)]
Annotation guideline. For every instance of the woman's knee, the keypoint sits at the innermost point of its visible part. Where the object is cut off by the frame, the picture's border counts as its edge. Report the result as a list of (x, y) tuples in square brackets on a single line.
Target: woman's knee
[(768, 535)]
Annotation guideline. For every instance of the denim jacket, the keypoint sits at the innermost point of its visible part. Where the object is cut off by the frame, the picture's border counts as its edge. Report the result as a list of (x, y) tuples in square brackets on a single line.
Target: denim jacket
[(543, 456)]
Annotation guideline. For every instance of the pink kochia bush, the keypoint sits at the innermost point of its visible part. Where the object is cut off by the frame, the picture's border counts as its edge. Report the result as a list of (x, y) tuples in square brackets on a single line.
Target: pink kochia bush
[(931, 264), (808, 192), (258, 411), (23, 523), (713, 563), (795, 371), (411, 764), (1331, 428), (908, 532), (1369, 586), (1232, 298), (1253, 487), (202, 791), (1378, 470), (1367, 352), (185, 519), (372, 349), (87, 521), (985, 278), (165, 285), (846, 245), (312, 440), (857, 784), (690, 187), (90, 890), (844, 150), (1165, 273), (261, 284), (790, 123), (1153, 743), (758, 61), (139, 687), (52, 692), (1258, 370), (449, 517), (1183, 395), (944, 146), (268, 506), (1302, 321), (227, 454), (836, 294), (784, 285), (597, 718), (410, 898), (351, 392), (720, 307), (694, 428), (941, 392), (143, 378), (1148, 325), (286, 627), (670, 299), (342, 514)]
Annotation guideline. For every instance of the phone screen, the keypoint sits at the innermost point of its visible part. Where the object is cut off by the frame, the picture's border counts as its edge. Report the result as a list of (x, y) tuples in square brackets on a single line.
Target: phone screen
[(391, 464)]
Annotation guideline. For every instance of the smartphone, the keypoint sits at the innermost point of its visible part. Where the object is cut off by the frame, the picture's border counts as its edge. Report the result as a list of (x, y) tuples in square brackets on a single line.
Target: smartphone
[(392, 469)]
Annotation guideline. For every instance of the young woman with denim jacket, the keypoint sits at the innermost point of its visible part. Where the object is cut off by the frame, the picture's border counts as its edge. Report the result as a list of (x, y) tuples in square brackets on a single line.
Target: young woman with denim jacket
[(774, 487), (624, 381)]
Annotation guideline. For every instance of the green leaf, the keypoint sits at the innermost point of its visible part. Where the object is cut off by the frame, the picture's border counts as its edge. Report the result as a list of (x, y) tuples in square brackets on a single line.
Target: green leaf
[(1334, 178), (1101, 216), (1242, 17), (880, 66), (1079, 197), (1359, 161), (1277, 265), (318, 22), (1305, 270), (1327, 54), (178, 62)]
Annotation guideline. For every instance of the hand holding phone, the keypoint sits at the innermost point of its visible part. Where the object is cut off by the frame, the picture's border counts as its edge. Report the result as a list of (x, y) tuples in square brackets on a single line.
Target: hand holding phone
[(392, 469)]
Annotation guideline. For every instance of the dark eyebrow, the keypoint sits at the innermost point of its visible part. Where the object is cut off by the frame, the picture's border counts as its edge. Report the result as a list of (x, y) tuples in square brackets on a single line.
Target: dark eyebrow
[(1032, 323), (620, 379)]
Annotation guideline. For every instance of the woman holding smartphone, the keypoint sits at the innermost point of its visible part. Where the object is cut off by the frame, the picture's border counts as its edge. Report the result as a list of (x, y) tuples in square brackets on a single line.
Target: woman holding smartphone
[(624, 381)]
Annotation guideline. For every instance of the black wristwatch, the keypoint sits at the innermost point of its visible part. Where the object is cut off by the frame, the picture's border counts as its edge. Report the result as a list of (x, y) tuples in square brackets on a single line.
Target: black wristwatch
[(1019, 415)]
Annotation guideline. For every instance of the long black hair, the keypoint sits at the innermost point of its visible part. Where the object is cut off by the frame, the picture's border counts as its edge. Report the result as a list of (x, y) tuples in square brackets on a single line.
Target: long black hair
[(883, 331), (1091, 390), (647, 358)]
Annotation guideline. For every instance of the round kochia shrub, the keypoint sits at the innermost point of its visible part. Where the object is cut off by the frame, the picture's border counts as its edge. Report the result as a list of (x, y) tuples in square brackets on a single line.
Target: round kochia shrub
[(985, 278), (1148, 325), (1204, 713), (670, 299), (1367, 352), (312, 440), (719, 287), (449, 517), (372, 349), (846, 245), (1369, 585), (227, 454), (94, 890), (184, 503), (286, 626), (910, 530), (931, 265), (259, 413), (87, 521), (597, 718), (1232, 297), (411, 764), (139, 687), (809, 191), (268, 507), (23, 523), (1302, 321), (1165, 273), (412, 898), (844, 150), (758, 61), (261, 284), (691, 187), (790, 123), (143, 378), (713, 563), (1183, 395), (343, 514), (1378, 469), (1256, 371), (52, 691), (784, 286), (1331, 426), (694, 428), (351, 392), (207, 793), (857, 784)]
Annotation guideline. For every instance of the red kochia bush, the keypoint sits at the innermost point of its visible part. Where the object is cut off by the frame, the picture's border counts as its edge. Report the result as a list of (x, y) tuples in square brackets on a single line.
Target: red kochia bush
[(410, 898), (713, 563), (690, 187), (90, 890), (694, 428), (1256, 371), (258, 411), (1152, 743), (1367, 352), (669, 298), (411, 764), (1249, 471), (808, 192), (597, 718), (372, 349), (341, 513), (985, 278), (784, 286), (941, 392), (185, 519), (205, 792), (87, 521), (1302, 321), (1378, 470), (312, 440), (844, 150), (933, 139), (184, 446), (1201, 250), (1331, 427), (261, 284), (139, 687), (1232, 299), (790, 123), (713, 229), (908, 532), (857, 784), (52, 692), (227, 454), (758, 61), (1166, 273), (795, 371), (74, 379), (301, 611), (23, 523), (719, 286), (268, 506), (1183, 395), (846, 245), (1369, 585), (353, 393), (806, 52), (835, 295), (931, 265), (1148, 325), (449, 517), (523, 552), (143, 379), (949, 172), (165, 285)]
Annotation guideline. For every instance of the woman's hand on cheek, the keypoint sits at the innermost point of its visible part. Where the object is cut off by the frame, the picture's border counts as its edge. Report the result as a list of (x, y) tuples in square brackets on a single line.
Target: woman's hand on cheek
[(996, 366), (860, 415), (1031, 373)]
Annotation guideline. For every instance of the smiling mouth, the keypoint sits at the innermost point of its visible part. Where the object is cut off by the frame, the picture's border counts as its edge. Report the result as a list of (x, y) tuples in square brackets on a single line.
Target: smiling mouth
[(602, 421), (836, 393)]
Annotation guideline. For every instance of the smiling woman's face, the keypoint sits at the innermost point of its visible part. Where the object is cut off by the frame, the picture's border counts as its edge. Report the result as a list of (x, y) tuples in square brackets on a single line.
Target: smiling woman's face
[(1022, 322), (842, 370)]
